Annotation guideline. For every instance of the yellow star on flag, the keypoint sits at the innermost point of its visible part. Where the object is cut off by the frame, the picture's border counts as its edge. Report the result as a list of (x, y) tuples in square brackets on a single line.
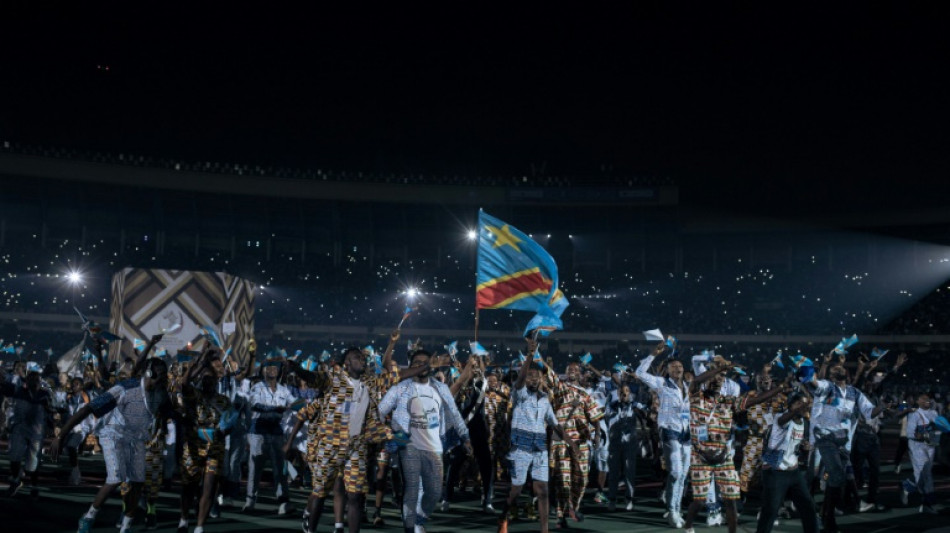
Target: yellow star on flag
[(504, 237)]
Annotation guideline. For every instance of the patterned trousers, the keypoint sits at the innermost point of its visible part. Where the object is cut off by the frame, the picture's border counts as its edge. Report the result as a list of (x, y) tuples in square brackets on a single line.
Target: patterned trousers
[(569, 477), (419, 467), (751, 453)]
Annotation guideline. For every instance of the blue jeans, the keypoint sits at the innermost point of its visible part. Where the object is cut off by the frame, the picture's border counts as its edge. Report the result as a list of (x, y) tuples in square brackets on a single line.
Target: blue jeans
[(676, 454), (419, 465)]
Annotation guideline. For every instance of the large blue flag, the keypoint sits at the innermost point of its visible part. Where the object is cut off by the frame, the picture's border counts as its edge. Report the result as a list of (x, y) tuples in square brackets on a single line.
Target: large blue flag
[(514, 272)]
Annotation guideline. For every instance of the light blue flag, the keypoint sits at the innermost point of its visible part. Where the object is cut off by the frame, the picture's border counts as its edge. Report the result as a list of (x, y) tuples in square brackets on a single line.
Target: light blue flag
[(452, 349), (842, 347), (877, 353), (777, 361), (9, 349), (138, 344), (586, 358), (477, 349), (801, 361), (514, 272), (369, 350), (455, 372), (942, 424), (671, 342), (324, 356), (545, 321), (521, 357), (310, 363), (620, 368), (209, 333)]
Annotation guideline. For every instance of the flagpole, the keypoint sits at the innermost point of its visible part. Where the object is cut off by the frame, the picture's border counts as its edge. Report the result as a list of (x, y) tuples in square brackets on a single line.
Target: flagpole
[(476, 323)]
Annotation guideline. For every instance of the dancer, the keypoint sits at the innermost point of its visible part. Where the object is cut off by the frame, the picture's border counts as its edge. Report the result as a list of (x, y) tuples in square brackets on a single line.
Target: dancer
[(711, 416), (922, 443), (530, 416), (422, 409), (32, 403), (578, 414), (781, 477), (130, 409), (673, 420)]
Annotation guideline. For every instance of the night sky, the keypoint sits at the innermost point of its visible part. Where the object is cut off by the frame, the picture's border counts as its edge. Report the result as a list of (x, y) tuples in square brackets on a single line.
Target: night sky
[(804, 110)]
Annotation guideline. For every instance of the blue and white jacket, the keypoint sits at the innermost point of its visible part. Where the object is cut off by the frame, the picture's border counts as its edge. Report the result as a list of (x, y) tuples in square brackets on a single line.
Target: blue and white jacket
[(396, 401)]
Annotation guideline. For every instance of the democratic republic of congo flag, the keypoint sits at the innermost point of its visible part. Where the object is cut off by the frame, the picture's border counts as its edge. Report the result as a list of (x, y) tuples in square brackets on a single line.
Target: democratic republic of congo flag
[(514, 272)]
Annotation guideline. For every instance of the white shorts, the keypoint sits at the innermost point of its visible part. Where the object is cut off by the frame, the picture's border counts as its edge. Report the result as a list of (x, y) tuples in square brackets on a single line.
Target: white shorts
[(125, 460), (522, 461)]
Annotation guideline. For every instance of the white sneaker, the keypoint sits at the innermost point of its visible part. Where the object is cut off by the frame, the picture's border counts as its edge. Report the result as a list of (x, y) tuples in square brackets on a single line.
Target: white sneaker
[(714, 518), (220, 500), (282, 509), (248, 504), (865, 506), (663, 496), (897, 469), (630, 505), (420, 529), (443, 506), (904, 496), (675, 520)]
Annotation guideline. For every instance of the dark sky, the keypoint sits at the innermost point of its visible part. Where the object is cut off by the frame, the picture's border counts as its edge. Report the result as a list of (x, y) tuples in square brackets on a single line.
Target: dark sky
[(821, 107)]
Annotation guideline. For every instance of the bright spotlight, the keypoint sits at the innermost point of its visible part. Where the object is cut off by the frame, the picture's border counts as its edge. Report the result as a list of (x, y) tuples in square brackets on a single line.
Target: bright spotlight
[(472, 235), (74, 277), (412, 292)]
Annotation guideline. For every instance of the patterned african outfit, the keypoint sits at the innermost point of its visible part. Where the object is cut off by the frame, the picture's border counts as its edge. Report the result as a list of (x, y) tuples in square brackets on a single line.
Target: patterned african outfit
[(760, 417), (710, 429), (578, 423), (331, 450), (201, 414)]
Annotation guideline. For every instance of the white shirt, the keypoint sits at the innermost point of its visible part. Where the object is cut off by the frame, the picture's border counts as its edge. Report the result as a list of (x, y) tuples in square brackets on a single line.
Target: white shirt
[(787, 439), (359, 404), (424, 418)]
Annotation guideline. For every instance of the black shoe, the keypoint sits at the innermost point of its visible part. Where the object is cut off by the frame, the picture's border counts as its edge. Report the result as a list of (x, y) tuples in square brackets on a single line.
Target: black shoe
[(15, 486), (35, 493), (215, 510), (151, 521)]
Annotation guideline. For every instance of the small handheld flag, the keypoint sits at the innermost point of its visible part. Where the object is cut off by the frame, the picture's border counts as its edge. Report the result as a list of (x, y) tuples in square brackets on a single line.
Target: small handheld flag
[(405, 315), (211, 335), (620, 368), (138, 344), (586, 358), (653, 335), (777, 361), (452, 349), (847, 342), (671, 342), (878, 353), (477, 349)]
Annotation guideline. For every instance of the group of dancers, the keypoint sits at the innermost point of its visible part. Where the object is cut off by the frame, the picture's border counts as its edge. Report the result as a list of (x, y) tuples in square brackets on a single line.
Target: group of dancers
[(347, 424)]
